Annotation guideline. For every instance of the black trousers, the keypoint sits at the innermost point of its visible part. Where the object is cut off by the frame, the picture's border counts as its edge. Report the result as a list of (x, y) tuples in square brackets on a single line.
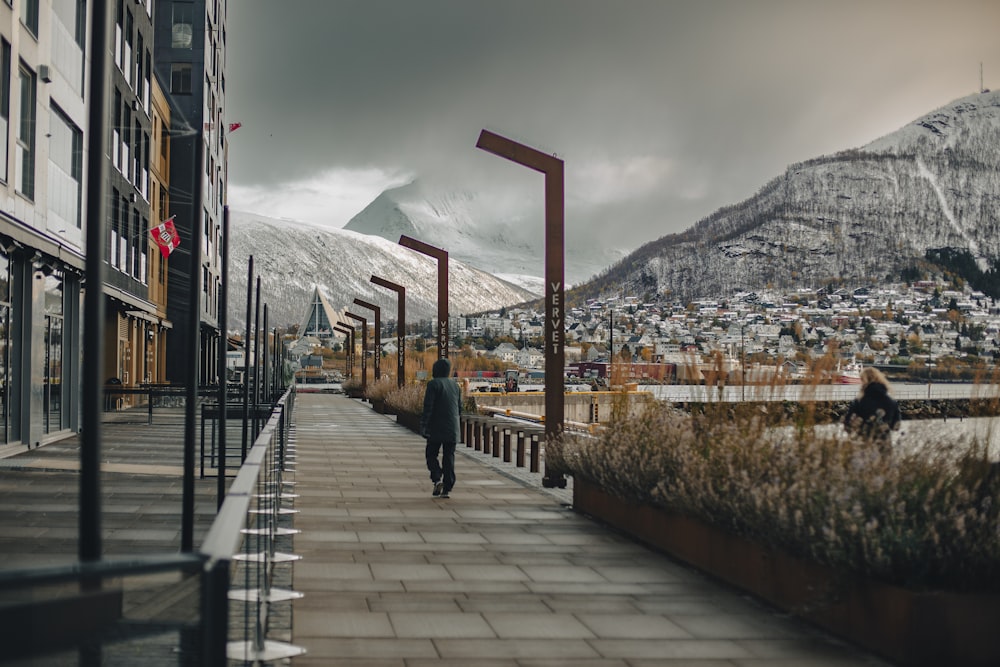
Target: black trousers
[(445, 470)]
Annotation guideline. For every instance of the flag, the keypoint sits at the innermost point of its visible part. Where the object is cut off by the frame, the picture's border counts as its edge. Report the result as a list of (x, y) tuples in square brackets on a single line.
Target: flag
[(235, 126), (165, 235)]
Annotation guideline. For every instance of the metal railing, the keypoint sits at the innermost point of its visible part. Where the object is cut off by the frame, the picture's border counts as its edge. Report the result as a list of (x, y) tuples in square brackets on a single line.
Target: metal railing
[(201, 608), (242, 548)]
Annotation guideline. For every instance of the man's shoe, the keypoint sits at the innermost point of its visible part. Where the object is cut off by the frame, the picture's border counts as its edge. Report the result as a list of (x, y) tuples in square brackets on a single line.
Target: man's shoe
[(445, 495), (438, 487)]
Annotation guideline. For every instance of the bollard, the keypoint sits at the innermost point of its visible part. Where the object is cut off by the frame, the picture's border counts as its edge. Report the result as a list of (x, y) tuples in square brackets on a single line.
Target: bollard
[(497, 430), (506, 445), (519, 453), (535, 453), (478, 433)]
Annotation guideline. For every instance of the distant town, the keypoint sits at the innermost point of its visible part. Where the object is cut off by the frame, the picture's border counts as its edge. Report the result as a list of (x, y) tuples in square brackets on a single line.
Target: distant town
[(918, 331)]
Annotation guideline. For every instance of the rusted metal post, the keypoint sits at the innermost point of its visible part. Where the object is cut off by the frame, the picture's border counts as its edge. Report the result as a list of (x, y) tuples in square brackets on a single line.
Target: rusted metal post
[(400, 326), (555, 290), (364, 350), (348, 332), (442, 298), (377, 345)]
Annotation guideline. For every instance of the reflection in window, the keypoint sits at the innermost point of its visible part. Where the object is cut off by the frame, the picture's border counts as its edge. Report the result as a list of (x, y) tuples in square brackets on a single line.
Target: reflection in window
[(182, 33), (5, 348), (5, 63), (65, 168), (26, 133), (53, 347)]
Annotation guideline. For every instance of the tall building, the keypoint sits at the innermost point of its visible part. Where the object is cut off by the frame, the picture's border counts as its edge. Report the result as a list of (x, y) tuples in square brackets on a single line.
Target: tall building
[(159, 204), (42, 199), (133, 323), (190, 54)]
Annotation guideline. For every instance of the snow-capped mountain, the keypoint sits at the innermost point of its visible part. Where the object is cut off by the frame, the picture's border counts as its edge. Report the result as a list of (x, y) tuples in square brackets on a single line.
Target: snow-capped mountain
[(460, 223), (857, 217), (291, 258)]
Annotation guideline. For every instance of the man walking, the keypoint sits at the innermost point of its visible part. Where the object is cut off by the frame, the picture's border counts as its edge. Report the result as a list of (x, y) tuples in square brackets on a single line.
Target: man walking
[(439, 423)]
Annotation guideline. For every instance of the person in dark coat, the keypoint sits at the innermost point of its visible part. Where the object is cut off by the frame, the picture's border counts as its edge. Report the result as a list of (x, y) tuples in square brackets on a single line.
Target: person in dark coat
[(439, 423), (874, 414)]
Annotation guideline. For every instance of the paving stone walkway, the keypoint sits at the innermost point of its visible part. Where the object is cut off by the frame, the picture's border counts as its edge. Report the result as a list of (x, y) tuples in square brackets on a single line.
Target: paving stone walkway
[(502, 574)]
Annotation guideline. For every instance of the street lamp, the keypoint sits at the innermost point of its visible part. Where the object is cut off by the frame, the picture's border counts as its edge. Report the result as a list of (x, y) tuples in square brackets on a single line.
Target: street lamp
[(442, 299), (400, 326), (555, 289), (348, 332), (364, 349), (378, 334)]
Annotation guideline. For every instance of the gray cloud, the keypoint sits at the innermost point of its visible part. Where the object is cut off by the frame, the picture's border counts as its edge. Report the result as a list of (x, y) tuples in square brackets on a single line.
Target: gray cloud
[(664, 110)]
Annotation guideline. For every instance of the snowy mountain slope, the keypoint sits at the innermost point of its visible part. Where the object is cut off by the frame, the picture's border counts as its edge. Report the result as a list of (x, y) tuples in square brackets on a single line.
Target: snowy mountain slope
[(460, 223), (855, 217), (293, 257)]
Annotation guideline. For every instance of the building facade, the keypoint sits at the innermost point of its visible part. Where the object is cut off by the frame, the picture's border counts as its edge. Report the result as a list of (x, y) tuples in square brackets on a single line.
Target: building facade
[(132, 321), (190, 56), (43, 194)]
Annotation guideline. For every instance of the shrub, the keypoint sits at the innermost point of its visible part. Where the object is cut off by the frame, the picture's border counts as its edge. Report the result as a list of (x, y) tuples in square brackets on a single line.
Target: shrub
[(378, 390), (923, 516), (407, 400)]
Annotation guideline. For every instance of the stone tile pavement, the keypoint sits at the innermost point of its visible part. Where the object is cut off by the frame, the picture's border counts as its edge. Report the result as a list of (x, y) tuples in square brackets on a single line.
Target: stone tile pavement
[(502, 574)]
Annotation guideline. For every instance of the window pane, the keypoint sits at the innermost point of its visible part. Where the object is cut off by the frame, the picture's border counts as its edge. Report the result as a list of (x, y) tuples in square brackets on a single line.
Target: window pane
[(65, 187), (26, 134), (180, 78), (182, 34)]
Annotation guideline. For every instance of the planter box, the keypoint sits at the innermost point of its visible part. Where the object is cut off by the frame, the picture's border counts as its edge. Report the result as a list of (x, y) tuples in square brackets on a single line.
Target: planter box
[(907, 627), (409, 420)]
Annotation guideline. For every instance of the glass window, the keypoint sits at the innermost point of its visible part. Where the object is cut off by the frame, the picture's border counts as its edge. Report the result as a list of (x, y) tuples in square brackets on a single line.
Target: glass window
[(182, 33), (53, 347), (26, 134), (73, 15), (180, 78), (29, 15), (65, 185), (5, 62), (5, 346)]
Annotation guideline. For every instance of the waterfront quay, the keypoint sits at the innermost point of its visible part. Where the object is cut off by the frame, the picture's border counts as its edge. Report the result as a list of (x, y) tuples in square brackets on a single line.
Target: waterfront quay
[(504, 573)]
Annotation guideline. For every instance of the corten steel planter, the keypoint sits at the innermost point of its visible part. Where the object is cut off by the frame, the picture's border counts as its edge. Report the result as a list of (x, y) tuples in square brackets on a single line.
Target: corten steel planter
[(907, 627), (409, 420)]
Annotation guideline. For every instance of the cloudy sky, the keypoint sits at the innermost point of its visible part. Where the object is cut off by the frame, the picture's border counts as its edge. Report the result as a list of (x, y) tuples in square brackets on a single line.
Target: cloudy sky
[(663, 110)]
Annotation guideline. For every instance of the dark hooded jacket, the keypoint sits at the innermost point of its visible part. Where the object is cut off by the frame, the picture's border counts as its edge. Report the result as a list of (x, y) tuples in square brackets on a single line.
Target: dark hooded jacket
[(439, 421), (874, 414)]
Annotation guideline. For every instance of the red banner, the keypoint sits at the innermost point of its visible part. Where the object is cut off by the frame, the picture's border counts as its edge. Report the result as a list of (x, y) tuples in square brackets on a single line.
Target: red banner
[(166, 237)]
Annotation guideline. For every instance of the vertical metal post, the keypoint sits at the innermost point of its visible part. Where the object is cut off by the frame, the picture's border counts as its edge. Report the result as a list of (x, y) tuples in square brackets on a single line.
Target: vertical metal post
[(256, 361), (93, 319), (555, 290), (275, 363), (220, 492), (377, 343), (400, 327), (193, 334), (348, 332), (443, 336), (246, 362), (364, 349), (265, 384)]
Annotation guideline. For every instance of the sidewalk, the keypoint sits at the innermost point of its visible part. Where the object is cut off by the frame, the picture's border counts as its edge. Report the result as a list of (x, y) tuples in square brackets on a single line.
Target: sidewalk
[(502, 574)]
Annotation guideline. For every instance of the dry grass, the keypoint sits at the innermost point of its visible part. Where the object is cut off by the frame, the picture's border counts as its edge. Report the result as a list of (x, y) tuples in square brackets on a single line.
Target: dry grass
[(926, 518), (407, 400), (378, 390)]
